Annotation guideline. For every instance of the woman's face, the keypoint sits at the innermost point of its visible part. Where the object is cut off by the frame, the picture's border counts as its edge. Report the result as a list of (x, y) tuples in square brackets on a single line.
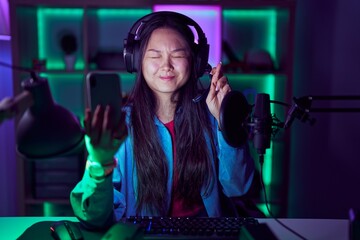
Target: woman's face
[(166, 62)]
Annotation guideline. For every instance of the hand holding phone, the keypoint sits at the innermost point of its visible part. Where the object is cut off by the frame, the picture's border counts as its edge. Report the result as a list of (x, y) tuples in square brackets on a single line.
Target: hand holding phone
[(104, 120), (104, 89)]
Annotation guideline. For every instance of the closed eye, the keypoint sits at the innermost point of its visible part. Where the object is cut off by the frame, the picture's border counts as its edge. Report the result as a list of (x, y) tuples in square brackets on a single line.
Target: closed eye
[(180, 53), (179, 56), (152, 53)]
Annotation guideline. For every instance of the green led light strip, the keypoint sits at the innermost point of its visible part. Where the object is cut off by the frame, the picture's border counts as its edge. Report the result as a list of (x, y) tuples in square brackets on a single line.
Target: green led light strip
[(269, 15), (124, 13), (267, 83), (43, 16), (267, 167), (76, 14)]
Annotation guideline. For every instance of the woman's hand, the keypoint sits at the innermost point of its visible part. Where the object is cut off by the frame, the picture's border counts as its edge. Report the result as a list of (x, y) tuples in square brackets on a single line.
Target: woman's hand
[(218, 89), (103, 135)]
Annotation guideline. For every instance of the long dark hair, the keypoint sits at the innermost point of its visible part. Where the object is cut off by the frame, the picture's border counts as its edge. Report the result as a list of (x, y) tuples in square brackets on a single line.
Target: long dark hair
[(192, 123)]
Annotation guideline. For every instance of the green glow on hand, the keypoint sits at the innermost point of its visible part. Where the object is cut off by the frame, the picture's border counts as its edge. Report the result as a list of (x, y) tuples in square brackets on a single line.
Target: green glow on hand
[(88, 146)]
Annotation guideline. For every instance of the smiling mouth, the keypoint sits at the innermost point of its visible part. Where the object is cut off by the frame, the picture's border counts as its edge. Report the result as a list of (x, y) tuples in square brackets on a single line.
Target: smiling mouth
[(167, 77)]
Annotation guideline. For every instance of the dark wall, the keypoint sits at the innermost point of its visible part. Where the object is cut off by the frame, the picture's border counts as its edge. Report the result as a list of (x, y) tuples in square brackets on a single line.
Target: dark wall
[(325, 162)]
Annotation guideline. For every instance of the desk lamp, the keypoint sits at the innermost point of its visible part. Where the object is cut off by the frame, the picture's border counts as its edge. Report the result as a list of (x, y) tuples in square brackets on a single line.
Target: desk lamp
[(45, 129)]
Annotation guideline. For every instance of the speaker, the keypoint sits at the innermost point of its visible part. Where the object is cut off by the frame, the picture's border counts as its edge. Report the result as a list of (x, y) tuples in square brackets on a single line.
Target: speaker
[(132, 42)]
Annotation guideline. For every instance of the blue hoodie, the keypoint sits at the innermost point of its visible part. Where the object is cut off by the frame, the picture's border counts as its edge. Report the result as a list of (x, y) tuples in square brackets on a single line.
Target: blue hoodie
[(100, 203)]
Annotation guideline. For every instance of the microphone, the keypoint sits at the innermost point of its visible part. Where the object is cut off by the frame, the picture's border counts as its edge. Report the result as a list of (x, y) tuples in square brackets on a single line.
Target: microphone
[(236, 120), (262, 125)]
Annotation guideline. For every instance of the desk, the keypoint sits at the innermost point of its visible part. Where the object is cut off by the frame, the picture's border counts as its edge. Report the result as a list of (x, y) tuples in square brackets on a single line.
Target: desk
[(312, 229)]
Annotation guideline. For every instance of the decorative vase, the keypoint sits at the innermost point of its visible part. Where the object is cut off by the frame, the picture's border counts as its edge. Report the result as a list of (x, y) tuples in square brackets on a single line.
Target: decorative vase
[(70, 62)]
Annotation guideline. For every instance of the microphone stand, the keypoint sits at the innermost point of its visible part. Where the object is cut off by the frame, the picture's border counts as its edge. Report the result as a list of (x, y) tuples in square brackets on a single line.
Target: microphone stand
[(339, 97), (302, 107)]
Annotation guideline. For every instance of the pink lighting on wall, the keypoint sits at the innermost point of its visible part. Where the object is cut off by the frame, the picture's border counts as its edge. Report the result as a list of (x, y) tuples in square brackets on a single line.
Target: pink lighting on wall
[(209, 19), (4, 20)]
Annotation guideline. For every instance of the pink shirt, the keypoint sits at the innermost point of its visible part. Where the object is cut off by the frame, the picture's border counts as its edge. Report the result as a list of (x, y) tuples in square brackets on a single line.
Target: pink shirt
[(178, 208)]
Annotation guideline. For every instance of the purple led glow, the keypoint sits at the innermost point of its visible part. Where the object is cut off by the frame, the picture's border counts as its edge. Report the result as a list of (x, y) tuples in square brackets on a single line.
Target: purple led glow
[(4, 18), (5, 37), (209, 19), (9, 180)]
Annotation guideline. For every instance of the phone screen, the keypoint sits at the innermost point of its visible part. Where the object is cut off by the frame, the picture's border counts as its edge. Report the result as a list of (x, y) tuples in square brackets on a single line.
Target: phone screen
[(104, 89)]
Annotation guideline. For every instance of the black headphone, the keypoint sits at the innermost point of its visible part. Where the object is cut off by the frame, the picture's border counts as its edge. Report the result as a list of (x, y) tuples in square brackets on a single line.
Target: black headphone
[(132, 43)]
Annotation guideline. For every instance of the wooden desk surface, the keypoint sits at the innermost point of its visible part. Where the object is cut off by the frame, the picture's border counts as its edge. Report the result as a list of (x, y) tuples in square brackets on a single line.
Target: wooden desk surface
[(312, 229)]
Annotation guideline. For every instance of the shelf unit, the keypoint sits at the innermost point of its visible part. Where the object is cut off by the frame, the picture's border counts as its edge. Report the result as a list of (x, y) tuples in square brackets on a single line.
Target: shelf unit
[(100, 28)]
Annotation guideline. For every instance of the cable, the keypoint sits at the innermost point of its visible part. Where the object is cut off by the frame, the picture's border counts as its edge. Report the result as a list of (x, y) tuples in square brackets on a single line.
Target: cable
[(23, 69), (280, 103), (261, 161)]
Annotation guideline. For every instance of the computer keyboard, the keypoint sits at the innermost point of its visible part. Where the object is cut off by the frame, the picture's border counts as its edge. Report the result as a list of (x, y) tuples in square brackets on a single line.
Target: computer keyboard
[(191, 227)]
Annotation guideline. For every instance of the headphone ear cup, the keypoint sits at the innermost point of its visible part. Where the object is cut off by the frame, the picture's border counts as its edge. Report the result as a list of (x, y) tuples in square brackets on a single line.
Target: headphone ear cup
[(128, 55), (136, 56), (202, 59), (131, 54)]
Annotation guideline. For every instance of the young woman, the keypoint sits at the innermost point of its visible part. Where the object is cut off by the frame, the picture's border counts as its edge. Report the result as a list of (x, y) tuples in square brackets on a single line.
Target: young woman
[(171, 159)]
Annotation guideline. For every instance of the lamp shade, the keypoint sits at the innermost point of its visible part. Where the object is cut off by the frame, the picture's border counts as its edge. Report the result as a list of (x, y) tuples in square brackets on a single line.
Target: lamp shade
[(47, 129)]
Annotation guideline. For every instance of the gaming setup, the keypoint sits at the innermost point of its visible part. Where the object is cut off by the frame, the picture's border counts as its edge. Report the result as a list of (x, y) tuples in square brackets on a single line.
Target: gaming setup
[(237, 119)]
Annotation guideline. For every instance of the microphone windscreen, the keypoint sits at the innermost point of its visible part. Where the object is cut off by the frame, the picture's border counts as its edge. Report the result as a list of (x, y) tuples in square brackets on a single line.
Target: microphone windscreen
[(234, 113)]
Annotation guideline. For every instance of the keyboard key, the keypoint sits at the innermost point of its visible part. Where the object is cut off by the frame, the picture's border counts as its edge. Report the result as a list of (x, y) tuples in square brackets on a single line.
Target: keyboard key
[(191, 228)]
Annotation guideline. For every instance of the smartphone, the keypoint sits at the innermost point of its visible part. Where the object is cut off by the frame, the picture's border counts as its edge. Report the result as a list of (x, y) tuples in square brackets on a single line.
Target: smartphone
[(104, 89)]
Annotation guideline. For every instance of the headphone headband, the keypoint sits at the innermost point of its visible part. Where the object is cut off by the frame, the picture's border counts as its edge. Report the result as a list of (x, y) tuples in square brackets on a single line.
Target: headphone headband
[(132, 43)]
